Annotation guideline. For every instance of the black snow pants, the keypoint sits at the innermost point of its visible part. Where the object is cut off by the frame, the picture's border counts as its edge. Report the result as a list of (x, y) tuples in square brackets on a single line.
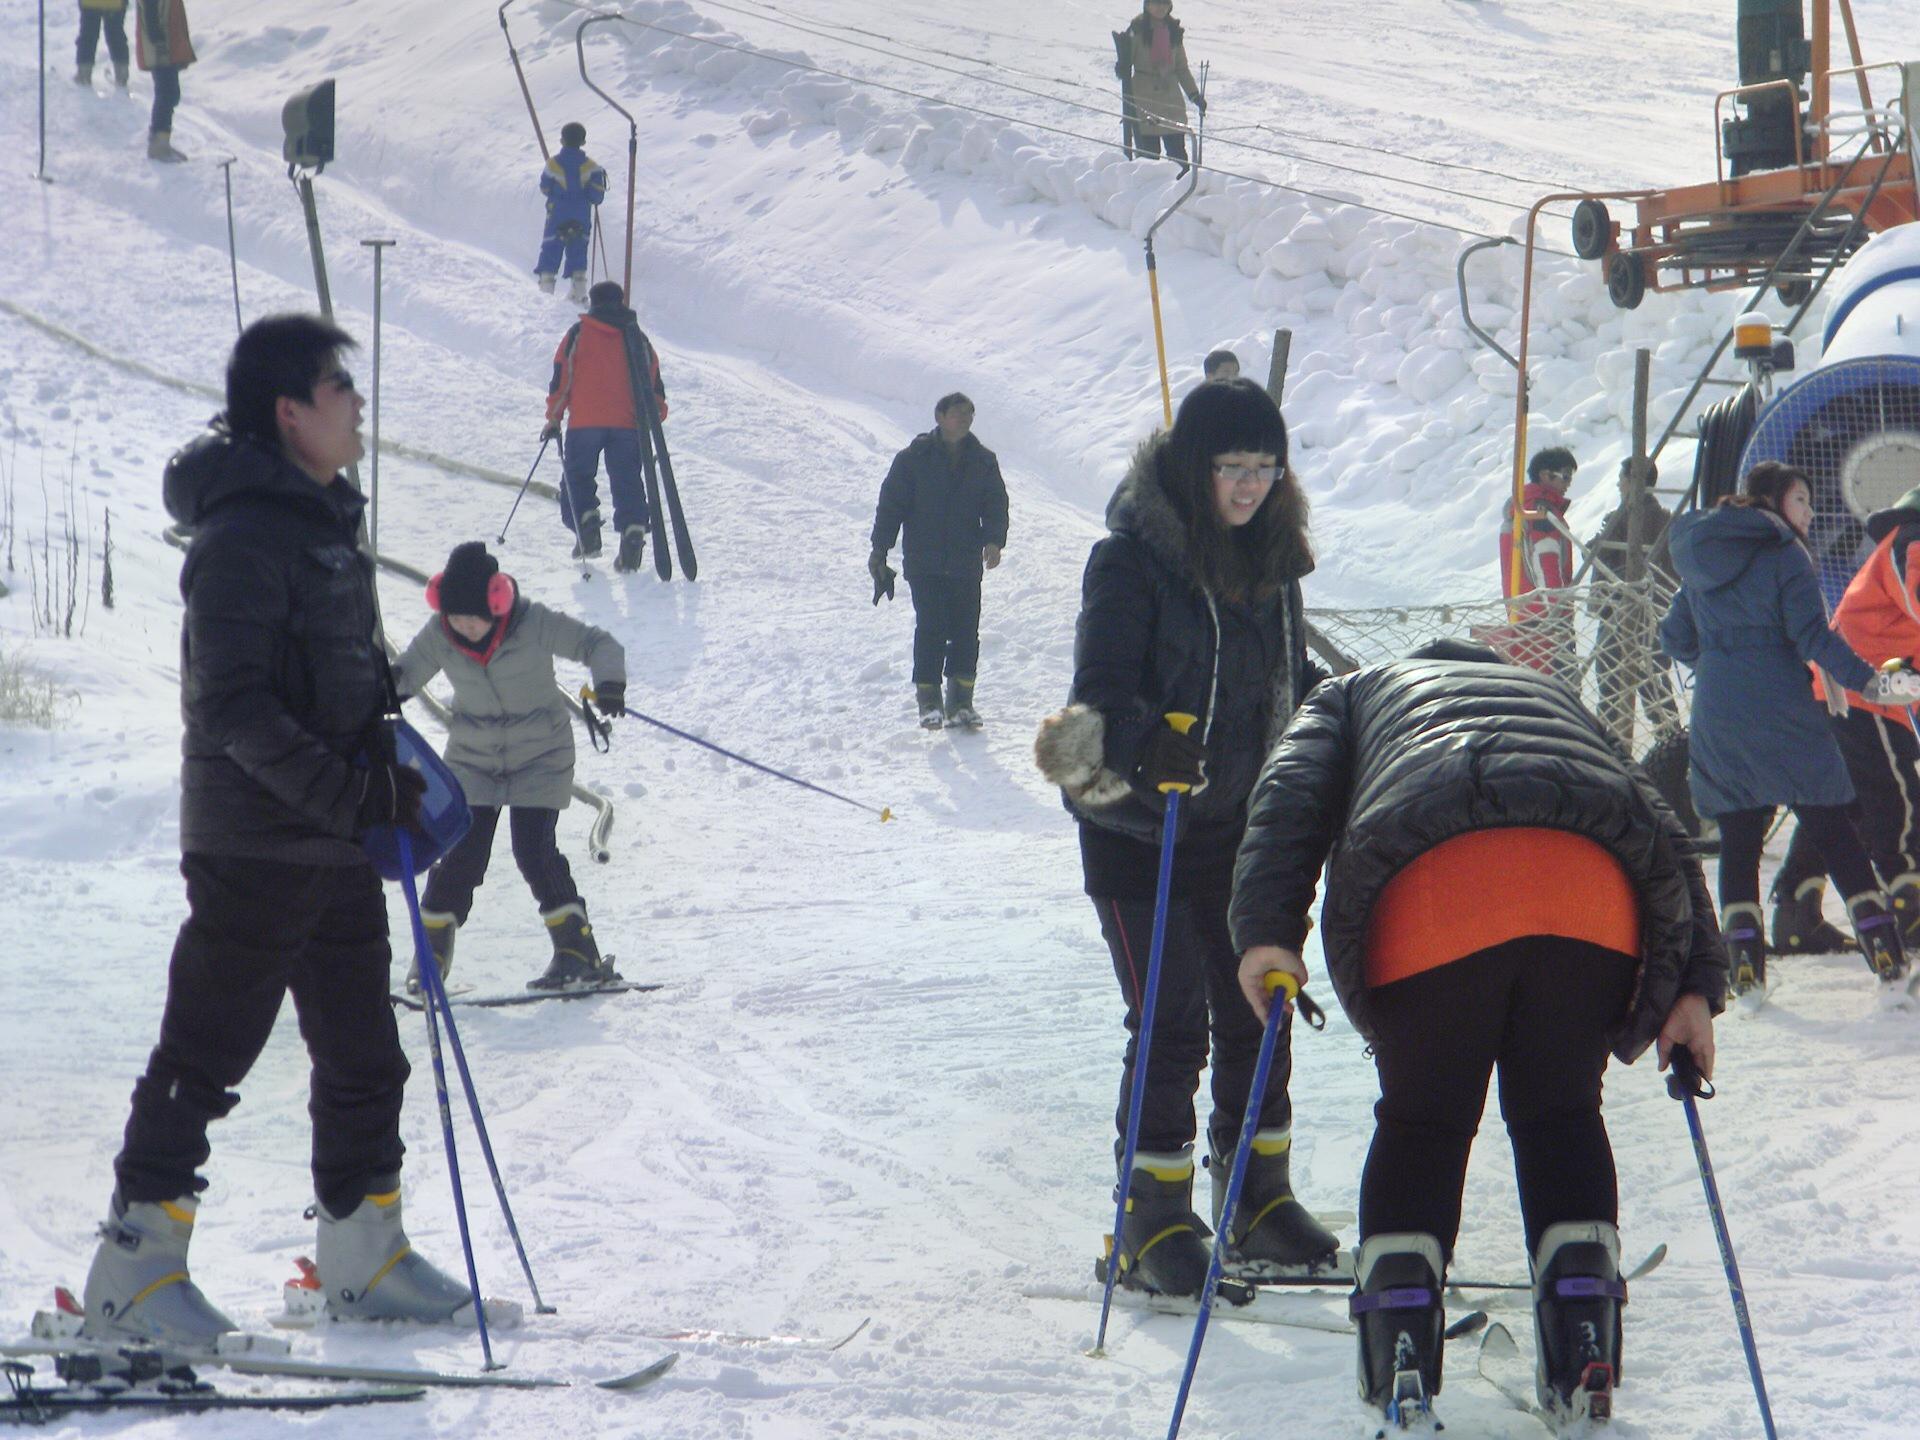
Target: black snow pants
[(946, 627), (1538, 1009), (1199, 999), (451, 885), (256, 931), (1883, 759)]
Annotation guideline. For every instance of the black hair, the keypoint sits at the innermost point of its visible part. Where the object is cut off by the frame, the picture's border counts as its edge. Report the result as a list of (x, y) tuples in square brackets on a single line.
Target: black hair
[(1215, 359), (1653, 470), (948, 402), (1253, 560), (279, 355), (606, 295), (573, 133), (1766, 484), (1554, 457)]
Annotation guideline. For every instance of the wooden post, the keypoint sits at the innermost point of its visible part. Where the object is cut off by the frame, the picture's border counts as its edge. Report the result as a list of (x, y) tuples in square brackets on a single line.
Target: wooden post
[(1636, 489), (1277, 371)]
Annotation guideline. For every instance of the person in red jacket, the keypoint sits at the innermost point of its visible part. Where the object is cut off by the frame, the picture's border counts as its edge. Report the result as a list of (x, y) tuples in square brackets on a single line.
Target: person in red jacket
[(593, 385), (1539, 634), (160, 28)]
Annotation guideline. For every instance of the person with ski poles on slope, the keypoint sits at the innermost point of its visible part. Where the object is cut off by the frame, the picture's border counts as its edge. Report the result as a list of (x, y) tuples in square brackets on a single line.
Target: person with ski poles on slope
[(946, 492), (1418, 784), (510, 745), (283, 685), (574, 186), (1191, 604), (1879, 616), (1750, 619), (1157, 73), (592, 388)]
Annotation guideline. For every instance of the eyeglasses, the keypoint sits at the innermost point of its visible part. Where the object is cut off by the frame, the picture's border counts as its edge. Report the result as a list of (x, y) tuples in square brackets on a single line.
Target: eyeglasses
[(1234, 474), (339, 379), (1566, 475)]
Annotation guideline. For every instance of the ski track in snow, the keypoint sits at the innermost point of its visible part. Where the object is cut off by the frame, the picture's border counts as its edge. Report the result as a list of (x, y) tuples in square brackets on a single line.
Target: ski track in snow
[(880, 1080)]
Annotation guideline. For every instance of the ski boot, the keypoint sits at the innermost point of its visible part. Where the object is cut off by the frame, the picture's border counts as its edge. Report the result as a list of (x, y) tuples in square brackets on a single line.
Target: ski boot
[(576, 957), (1877, 932), (138, 1284), (586, 543), (160, 147), (1577, 1297), (1398, 1319), (927, 698), (1160, 1248), (370, 1272), (1904, 896), (1273, 1233), (577, 288), (545, 280), (1741, 928), (1800, 929), (441, 927), (120, 74), (83, 75), (959, 713), (633, 549)]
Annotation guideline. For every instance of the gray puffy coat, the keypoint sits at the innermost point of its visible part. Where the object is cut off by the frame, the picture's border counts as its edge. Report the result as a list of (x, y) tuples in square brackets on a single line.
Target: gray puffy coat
[(510, 741)]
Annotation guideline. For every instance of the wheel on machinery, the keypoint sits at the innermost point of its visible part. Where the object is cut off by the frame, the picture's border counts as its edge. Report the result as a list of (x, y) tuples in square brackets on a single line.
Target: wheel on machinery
[(1626, 279), (1665, 765), (1592, 229), (1794, 293)]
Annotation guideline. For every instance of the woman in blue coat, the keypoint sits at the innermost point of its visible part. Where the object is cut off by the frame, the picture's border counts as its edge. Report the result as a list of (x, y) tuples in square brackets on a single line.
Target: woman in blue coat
[(1749, 619)]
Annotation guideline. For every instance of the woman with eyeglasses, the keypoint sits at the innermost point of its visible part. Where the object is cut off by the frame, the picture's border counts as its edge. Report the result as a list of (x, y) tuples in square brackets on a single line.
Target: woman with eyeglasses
[(1190, 606)]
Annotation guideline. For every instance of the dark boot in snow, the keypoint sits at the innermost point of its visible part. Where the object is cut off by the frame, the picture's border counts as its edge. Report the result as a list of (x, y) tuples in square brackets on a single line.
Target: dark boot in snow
[(586, 544), (633, 549), (83, 75), (1798, 926), (1746, 940), (959, 711), (1272, 1232), (138, 1284), (1398, 1319), (576, 955), (927, 698), (440, 926), (1161, 1246), (1577, 1295), (1904, 896), (1877, 932), (120, 74)]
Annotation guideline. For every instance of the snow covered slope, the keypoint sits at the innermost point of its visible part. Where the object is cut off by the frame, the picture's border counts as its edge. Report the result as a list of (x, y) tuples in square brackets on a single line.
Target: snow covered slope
[(881, 1079)]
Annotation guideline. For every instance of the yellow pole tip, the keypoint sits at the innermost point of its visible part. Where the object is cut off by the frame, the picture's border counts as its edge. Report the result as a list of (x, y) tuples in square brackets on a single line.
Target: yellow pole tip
[(886, 813)]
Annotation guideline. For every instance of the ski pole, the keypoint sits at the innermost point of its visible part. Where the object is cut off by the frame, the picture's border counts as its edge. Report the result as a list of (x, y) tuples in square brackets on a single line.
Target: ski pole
[(885, 812), (1686, 1085), (501, 538), (1143, 1039), (1277, 1012), (437, 995)]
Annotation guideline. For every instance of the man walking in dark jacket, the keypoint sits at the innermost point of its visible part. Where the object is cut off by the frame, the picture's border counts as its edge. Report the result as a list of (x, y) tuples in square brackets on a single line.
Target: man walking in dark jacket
[(282, 683), (945, 490)]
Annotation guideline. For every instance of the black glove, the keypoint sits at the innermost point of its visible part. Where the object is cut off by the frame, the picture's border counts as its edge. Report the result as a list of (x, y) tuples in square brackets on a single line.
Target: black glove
[(882, 573), (1122, 70), (392, 796), (1200, 103), (1171, 759), (552, 431), (610, 697)]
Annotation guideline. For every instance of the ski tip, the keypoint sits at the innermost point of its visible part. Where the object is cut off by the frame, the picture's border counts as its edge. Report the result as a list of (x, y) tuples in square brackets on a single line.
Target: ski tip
[(643, 1377), (848, 1338)]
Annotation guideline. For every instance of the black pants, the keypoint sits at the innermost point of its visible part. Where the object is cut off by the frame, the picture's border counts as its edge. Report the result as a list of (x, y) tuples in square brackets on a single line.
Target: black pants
[(258, 930), (451, 885), (1884, 760), (92, 22), (1147, 147), (1827, 828), (166, 95), (946, 627), (1537, 1009), (1199, 998)]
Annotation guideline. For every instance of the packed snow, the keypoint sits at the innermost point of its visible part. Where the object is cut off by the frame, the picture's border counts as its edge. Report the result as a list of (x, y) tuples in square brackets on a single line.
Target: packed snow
[(881, 1077)]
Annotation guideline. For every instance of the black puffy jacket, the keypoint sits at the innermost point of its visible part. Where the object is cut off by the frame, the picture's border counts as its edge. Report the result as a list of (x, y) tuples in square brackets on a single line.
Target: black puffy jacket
[(1151, 640), (1382, 765), (281, 674), (952, 502)]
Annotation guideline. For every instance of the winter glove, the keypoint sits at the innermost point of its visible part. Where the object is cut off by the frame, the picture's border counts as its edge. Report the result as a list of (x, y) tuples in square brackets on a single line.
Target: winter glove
[(1122, 70), (1172, 759), (1200, 104), (883, 575), (552, 431), (610, 697), (1893, 687), (390, 795)]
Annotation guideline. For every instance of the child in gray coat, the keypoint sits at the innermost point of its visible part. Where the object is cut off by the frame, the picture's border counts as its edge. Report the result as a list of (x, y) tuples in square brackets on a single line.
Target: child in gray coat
[(510, 744)]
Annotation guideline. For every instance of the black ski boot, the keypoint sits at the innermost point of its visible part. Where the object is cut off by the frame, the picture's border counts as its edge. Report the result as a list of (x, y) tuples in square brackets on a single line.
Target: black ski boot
[(1904, 896), (1398, 1319), (1800, 929), (633, 549), (441, 927), (586, 545), (1877, 931), (576, 956), (927, 699), (1160, 1247), (1577, 1297), (960, 713), (1746, 938), (1273, 1233)]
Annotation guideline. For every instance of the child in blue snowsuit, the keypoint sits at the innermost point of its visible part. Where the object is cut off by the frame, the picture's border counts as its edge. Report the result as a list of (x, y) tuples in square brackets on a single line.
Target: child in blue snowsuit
[(574, 185)]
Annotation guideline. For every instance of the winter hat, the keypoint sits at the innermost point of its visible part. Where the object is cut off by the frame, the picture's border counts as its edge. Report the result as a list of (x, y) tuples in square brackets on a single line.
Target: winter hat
[(467, 586), (573, 133), (1903, 511), (1223, 416), (607, 295)]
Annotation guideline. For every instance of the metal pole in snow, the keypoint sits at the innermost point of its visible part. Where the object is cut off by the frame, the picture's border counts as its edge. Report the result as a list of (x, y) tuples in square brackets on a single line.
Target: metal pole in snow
[(379, 248)]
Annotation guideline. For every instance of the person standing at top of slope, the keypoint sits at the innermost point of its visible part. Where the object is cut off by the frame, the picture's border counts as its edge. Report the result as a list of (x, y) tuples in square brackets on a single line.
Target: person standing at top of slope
[(1190, 605), (1504, 889), (593, 387), (1541, 633), (1156, 73), (510, 744), (160, 28), (945, 490), (95, 16), (1627, 665), (574, 186), (1749, 619), (282, 686)]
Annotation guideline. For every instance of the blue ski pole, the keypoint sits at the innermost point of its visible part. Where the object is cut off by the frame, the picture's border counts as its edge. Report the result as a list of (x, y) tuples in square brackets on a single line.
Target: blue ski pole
[(1686, 1085), (437, 997), (1143, 1040)]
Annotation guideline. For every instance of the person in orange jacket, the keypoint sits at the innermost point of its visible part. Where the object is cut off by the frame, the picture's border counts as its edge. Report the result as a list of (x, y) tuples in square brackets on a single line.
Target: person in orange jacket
[(1540, 634), (1879, 616), (160, 28), (593, 386)]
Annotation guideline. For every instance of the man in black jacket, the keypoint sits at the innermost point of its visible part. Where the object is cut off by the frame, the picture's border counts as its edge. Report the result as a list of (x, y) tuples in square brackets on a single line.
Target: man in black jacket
[(945, 489), (1451, 775), (282, 683)]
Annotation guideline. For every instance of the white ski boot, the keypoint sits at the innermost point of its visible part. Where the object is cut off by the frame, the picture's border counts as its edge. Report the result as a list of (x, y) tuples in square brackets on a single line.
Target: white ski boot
[(138, 1283), (545, 279), (577, 288), (369, 1271)]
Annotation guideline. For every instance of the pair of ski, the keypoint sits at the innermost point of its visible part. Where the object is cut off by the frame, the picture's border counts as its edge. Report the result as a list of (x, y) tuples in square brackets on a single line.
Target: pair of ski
[(656, 465), (464, 996)]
